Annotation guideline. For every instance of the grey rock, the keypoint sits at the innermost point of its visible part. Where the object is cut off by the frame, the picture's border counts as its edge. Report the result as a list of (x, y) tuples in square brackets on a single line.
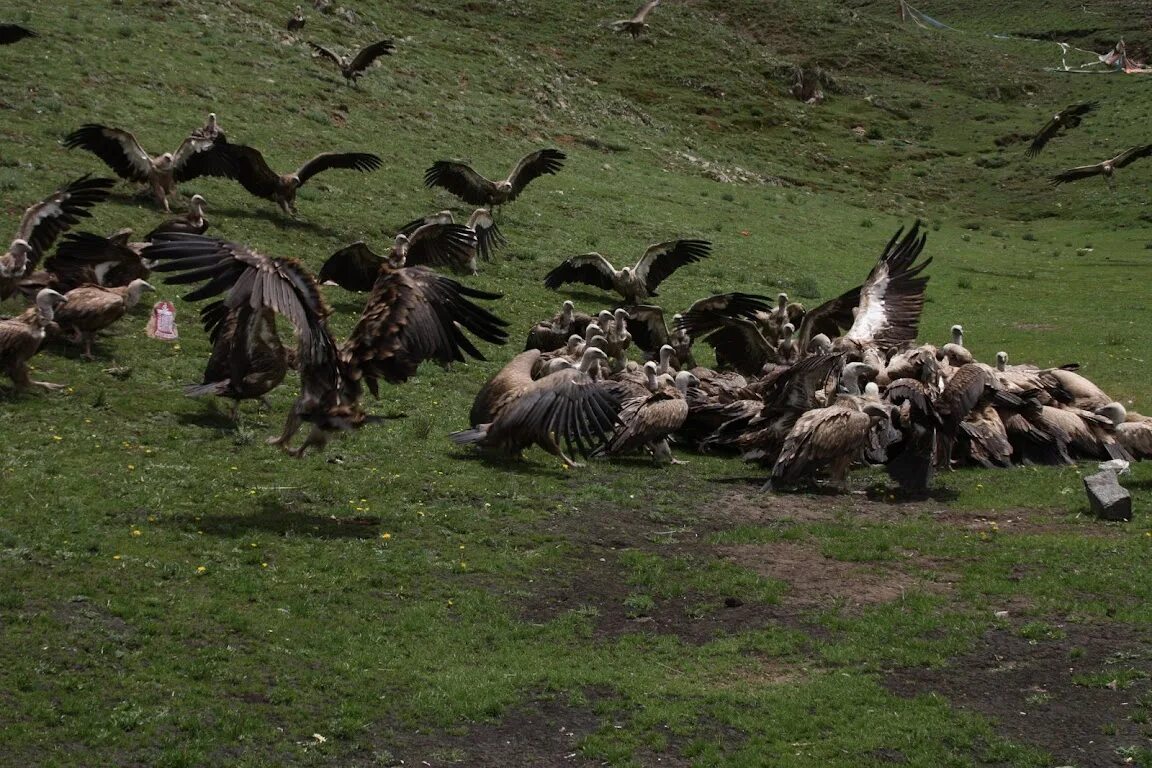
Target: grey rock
[(1107, 498)]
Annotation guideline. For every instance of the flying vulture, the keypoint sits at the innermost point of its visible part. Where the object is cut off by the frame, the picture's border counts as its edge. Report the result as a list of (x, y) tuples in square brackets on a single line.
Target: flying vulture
[(21, 337), (12, 33), (86, 258), (471, 187), (636, 25), (121, 152), (635, 283), (253, 173), (356, 267), (489, 238), (412, 315), (1105, 168), (43, 222), (1069, 117), (353, 67)]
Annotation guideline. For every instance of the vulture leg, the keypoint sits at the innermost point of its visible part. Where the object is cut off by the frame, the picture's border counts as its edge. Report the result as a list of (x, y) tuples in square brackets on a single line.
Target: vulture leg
[(160, 195), (291, 425), (318, 437), (662, 453), (47, 385), (553, 447), (87, 339)]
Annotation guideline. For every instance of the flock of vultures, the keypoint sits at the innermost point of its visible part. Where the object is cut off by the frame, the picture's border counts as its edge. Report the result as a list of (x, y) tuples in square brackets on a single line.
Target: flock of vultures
[(802, 391)]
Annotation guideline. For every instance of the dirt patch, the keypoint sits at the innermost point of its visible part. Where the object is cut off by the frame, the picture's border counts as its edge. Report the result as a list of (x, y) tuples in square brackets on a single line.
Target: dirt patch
[(1080, 692)]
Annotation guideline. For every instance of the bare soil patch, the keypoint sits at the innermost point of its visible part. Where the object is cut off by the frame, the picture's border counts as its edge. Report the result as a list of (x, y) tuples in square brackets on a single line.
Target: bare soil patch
[(1085, 697)]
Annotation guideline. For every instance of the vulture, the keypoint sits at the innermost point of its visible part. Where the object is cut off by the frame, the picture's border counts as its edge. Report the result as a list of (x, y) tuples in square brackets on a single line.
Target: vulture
[(911, 461), (413, 314), (474, 189), (355, 267), (353, 67), (650, 330), (1069, 117), (635, 283), (552, 334), (92, 308), (296, 20), (954, 351), (254, 174), (636, 25), (195, 157), (248, 360), (43, 222), (13, 33), (84, 257), (210, 131), (1105, 168), (834, 436), (21, 337), (564, 412), (648, 421), (192, 222), (489, 238)]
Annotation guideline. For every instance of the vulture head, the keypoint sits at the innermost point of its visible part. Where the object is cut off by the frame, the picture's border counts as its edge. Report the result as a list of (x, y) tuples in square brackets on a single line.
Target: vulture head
[(651, 380), (399, 253), (684, 380), (604, 318), (47, 300), (567, 314), (135, 289), (575, 343), (504, 186), (958, 335), (164, 162), (1001, 360), (1114, 412), (820, 344), (593, 330), (20, 251), (592, 356)]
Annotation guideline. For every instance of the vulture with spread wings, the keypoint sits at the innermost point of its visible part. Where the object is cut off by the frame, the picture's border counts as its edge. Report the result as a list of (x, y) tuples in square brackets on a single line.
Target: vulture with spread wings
[(355, 267), (412, 315), (43, 222), (254, 174), (1069, 117), (1104, 168), (638, 24), (468, 185), (195, 157), (635, 283), (352, 67)]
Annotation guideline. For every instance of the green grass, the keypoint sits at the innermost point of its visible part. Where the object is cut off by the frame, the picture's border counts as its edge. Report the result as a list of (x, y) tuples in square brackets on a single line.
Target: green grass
[(177, 593)]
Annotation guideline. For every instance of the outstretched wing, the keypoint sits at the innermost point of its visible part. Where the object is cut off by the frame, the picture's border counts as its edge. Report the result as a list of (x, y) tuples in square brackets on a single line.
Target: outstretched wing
[(892, 297), (489, 238), (707, 315), (1129, 156), (662, 259), (325, 53), (643, 11), (740, 343), (356, 161), (252, 170), (196, 157), (587, 268), (460, 180), (117, 148), (1069, 117), (43, 222), (533, 165), (1075, 174), (369, 54), (831, 318), (436, 244), (648, 328), (440, 217), (353, 267), (414, 315), (11, 33), (84, 257)]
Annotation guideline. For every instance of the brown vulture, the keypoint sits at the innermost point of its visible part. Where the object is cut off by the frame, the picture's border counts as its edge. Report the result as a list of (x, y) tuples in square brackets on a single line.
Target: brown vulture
[(635, 283), (1105, 168), (43, 222), (193, 221), (650, 330), (1069, 117), (459, 178), (834, 436), (412, 315), (84, 257), (353, 67), (648, 421), (21, 337), (12, 33), (92, 308), (489, 238), (120, 151), (355, 267), (254, 174), (636, 25)]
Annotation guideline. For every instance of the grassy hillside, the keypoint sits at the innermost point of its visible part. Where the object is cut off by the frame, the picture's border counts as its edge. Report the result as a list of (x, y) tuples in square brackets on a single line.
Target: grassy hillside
[(178, 593)]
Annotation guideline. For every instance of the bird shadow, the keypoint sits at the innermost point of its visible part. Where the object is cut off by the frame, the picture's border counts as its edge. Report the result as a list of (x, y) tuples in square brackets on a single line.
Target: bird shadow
[(276, 517), (599, 299), (518, 466), (277, 219), (207, 418)]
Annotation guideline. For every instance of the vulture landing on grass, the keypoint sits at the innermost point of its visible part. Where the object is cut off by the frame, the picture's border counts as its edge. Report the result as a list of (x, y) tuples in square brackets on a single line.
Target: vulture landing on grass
[(635, 283), (1105, 168), (1069, 117), (120, 151), (43, 222), (636, 25), (412, 315), (352, 67), (468, 185), (21, 337), (255, 175)]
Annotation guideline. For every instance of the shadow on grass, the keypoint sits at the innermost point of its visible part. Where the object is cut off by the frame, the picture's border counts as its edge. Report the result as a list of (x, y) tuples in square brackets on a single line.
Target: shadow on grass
[(273, 516), (275, 217), (511, 464)]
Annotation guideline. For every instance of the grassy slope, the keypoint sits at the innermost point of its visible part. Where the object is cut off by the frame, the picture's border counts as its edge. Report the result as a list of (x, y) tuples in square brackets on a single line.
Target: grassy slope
[(366, 599)]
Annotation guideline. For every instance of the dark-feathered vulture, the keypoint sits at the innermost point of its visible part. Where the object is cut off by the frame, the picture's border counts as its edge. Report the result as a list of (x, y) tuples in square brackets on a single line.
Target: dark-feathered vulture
[(355, 267), (412, 315), (83, 258), (353, 67), (43, 222), (297, 20), (21, 337), (489, 238), (636, 25), (121, 152), (471, 187), (830, 437), (254, 174), (12, 33), (1104, 168), (192, 222), (650, 331), (1069, 117), (635, 283)]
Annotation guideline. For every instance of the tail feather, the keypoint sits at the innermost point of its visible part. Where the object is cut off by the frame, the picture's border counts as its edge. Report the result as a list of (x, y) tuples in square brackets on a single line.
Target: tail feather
[(469, 436), (211, 388)]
